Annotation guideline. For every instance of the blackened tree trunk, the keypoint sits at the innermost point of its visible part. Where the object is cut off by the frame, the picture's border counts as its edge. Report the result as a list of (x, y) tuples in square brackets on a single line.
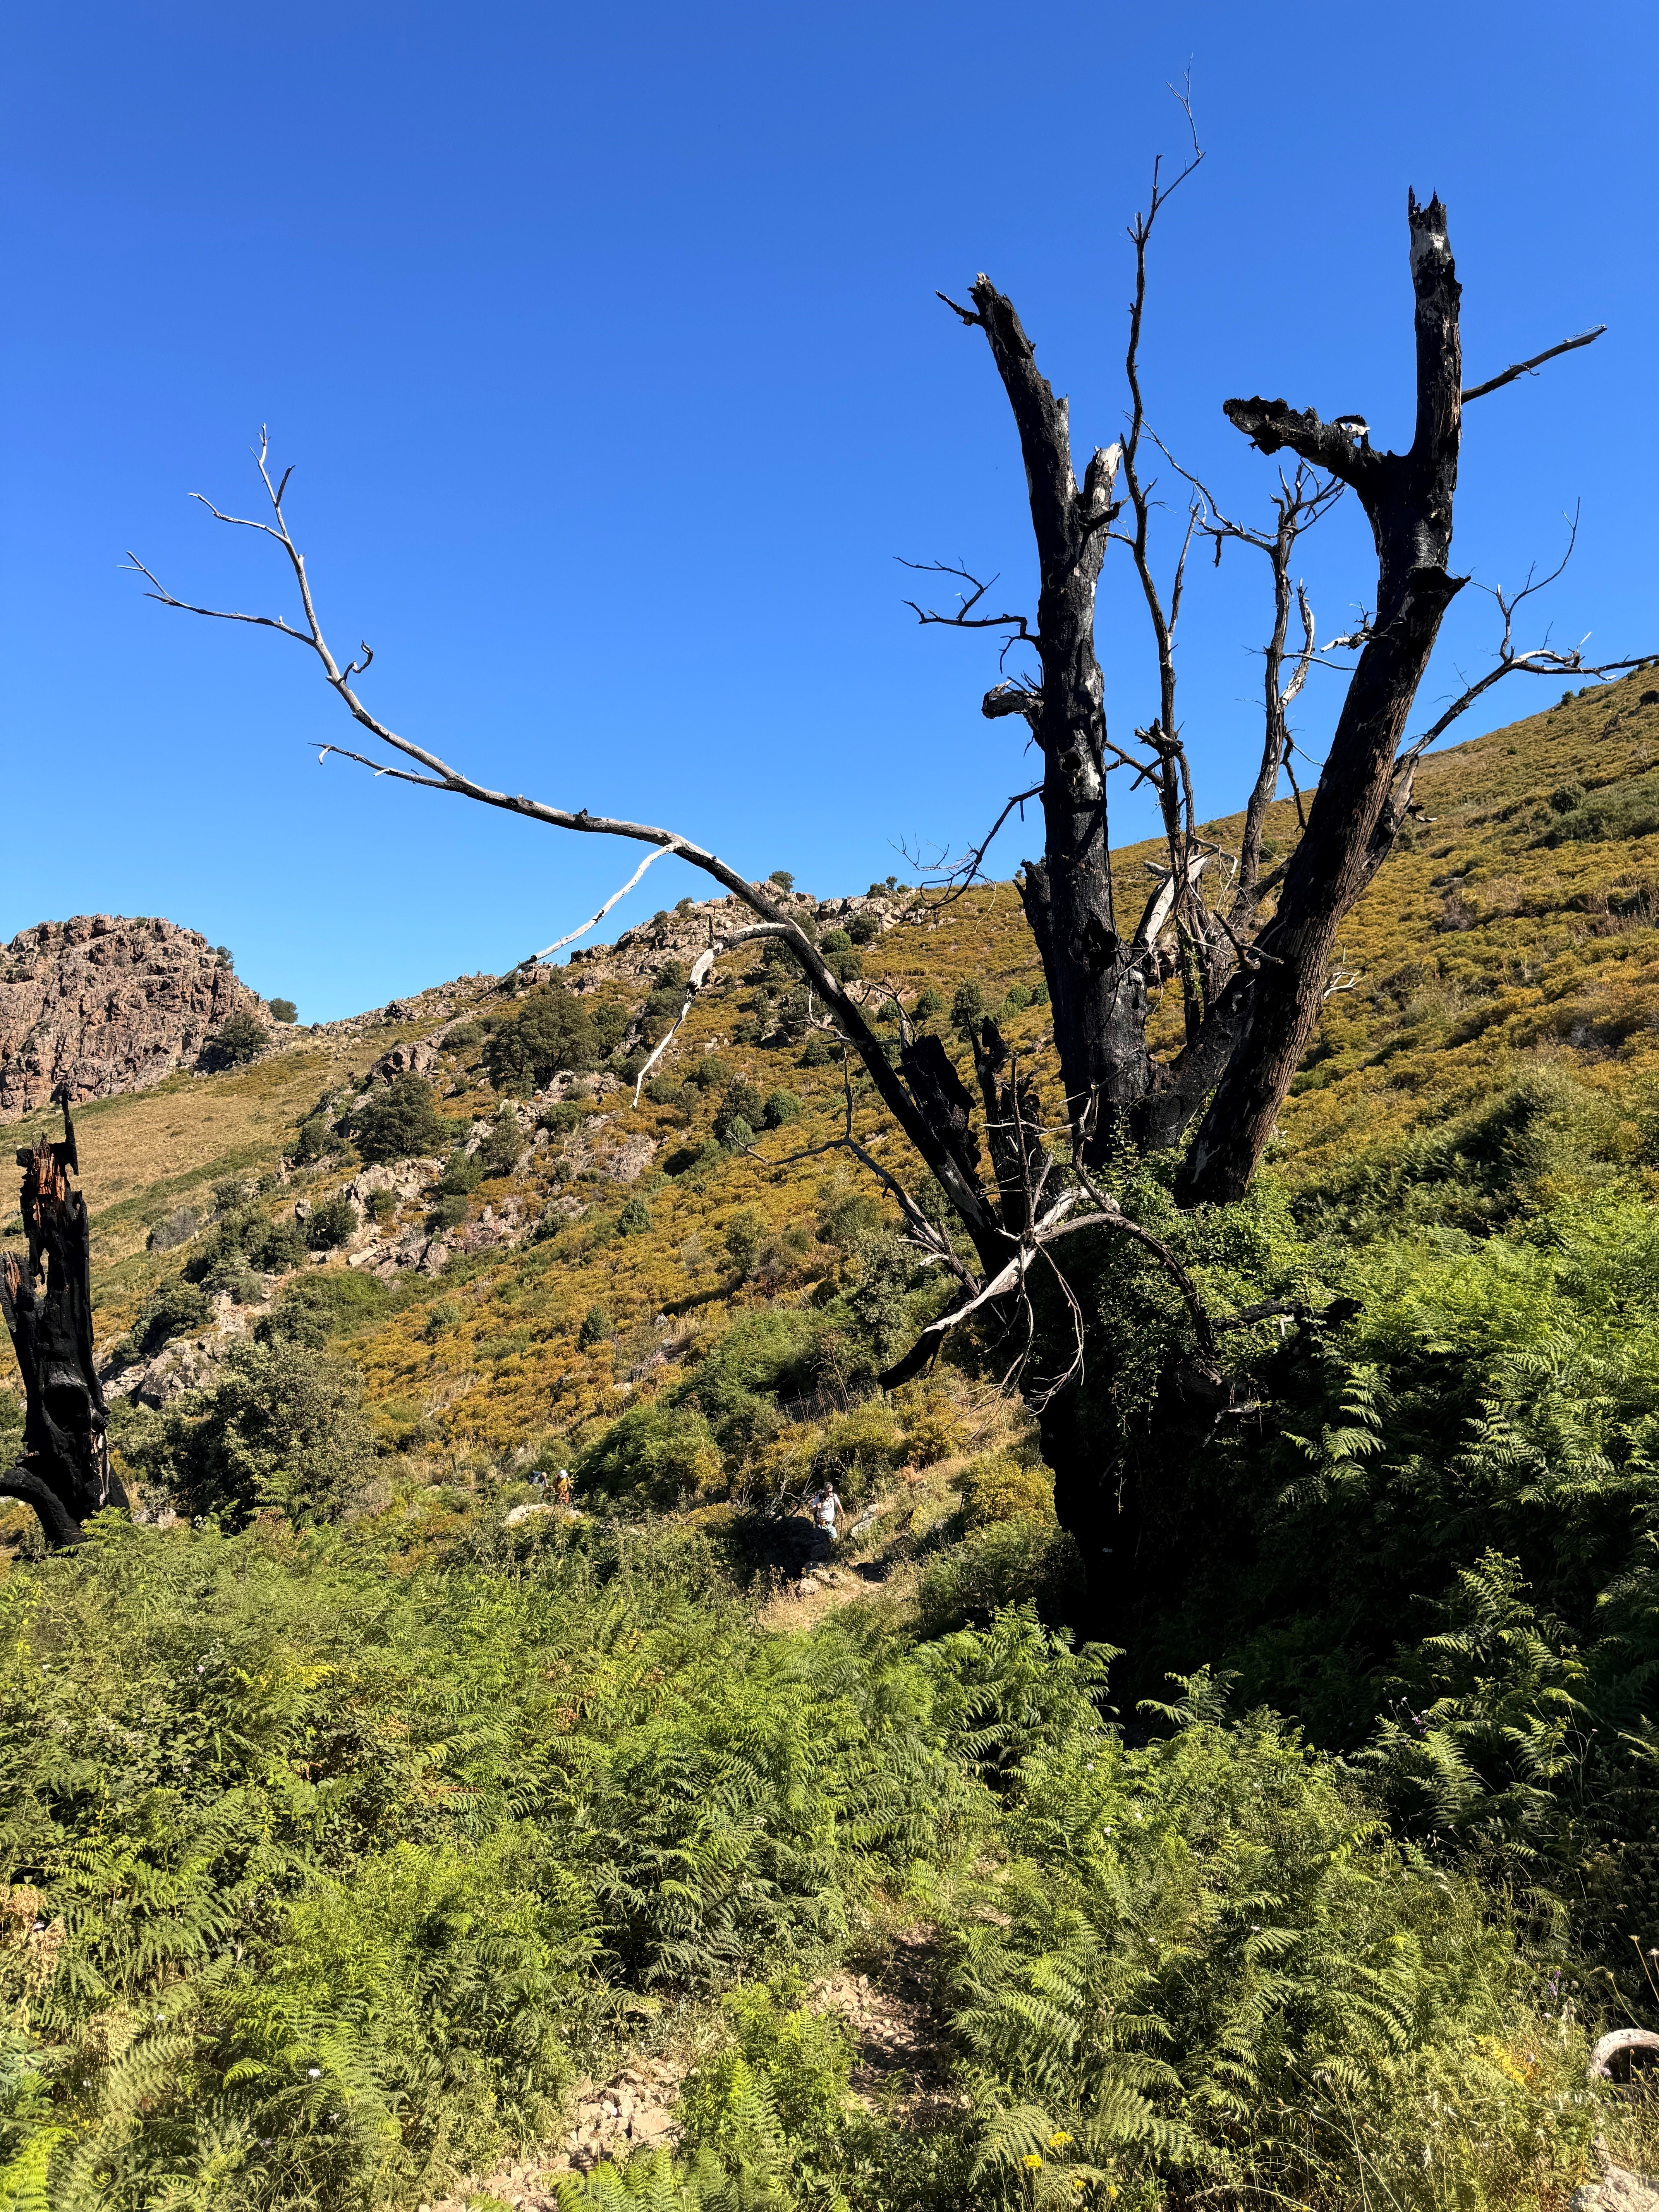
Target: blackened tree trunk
[(64, 1472), (1246, 1037)]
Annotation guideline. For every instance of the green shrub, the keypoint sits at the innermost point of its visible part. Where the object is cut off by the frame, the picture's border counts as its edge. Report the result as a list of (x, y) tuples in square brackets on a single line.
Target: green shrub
[(443, 1316), (836, 941), (780, 1106), (172, 1309), (595, 1326), (781, 879), (284, 1010), (967, 1007), (609, 1026), (743, 1236), (1009, 1563), (635, 1218), (463, 1037), (1629, 808), (332, 1223), (502, 1149), (864, 929), (559, 1120), (658, 1453), (234, 1042), (323, 1305), (401, 1122), (862, 1446), (382, 1206), (448, 1213), (462, 1176), (821, 1050), (1003, 1487), (284, 1426), (551, 1031), (742, 1103), (930, 1003), (314, 1137), (277, 1246), (847, 1218)]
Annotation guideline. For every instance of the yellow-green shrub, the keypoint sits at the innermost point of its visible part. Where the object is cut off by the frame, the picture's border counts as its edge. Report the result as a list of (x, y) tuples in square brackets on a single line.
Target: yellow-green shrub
[(1002, 1487)]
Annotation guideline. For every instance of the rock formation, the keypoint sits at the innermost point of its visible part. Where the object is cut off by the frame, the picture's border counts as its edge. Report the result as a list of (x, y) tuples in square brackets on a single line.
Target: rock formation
[(101, 1005)]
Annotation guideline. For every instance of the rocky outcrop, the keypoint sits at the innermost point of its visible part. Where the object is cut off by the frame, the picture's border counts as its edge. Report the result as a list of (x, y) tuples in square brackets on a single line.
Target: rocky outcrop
[(99, 1005)]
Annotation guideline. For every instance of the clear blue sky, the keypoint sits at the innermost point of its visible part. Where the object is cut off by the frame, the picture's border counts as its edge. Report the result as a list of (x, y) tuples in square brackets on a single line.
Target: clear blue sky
[(604, 343)]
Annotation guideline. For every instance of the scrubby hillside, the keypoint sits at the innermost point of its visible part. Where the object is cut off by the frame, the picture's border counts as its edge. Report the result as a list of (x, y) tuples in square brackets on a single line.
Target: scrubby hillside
[(370, 1823)]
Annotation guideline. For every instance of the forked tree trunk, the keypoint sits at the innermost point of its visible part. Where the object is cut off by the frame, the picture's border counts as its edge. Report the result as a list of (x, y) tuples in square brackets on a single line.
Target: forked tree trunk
[(1244, 1046)]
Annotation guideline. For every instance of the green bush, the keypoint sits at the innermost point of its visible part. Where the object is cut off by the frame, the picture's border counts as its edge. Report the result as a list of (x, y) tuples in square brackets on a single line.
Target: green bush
[(283, 1427), (234, 1042), (559, 1120), (324, 1305), (284, 1010), (401, 1122), (462, 1176), (780, 1106), (635, 1218), (967, 1007), (930, 1003), (314, 1137), (502, 1149), (448, 1213), (463, 1037), (742, 1103), (662, 1455), (332, 1223), (1003, 1487), (1629, 808), (595, 1326), (864, 929), (1009, 1563), (744, 1235), (836, 941), (172, 1309), (551, 1031), (821, 1050)]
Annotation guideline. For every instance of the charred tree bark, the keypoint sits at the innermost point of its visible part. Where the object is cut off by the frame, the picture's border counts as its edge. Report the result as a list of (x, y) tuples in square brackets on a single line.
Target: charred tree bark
[(1096, 981), (1268, 1024), (64, 1473)]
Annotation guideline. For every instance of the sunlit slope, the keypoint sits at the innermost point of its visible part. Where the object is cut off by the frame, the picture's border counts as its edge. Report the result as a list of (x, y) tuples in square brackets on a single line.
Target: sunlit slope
[(1516, 929)]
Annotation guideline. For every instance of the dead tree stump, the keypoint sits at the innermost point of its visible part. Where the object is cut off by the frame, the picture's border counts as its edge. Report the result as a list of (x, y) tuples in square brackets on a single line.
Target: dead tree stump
[(65, 1471)]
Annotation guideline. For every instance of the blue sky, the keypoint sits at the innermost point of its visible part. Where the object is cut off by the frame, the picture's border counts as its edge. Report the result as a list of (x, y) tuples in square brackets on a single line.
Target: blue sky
[(605, 347)]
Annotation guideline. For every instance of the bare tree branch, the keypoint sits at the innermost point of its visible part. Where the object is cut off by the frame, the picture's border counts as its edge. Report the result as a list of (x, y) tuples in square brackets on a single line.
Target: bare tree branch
[(964, 1194), (615, 899), (1527, 368)]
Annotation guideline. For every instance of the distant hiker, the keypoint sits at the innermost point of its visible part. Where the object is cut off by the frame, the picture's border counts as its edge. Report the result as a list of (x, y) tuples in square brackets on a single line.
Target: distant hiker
[(561, 1488), (825, 1507)]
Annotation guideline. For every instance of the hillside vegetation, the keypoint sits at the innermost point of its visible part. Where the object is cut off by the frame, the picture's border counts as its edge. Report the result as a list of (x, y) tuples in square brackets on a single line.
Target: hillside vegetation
[(365, 1823)]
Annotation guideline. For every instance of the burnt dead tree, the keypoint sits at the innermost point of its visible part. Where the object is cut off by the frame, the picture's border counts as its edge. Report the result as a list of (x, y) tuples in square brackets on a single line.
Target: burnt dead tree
[(64, 1472), (1248, 947)]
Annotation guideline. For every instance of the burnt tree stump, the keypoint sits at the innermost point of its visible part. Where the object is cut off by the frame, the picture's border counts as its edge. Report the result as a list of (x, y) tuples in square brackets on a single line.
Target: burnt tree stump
[(64, 1470)]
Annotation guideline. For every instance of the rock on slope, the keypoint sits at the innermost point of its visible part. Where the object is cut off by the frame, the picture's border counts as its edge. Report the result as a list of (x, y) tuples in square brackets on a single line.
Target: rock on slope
[(103, 1005)]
